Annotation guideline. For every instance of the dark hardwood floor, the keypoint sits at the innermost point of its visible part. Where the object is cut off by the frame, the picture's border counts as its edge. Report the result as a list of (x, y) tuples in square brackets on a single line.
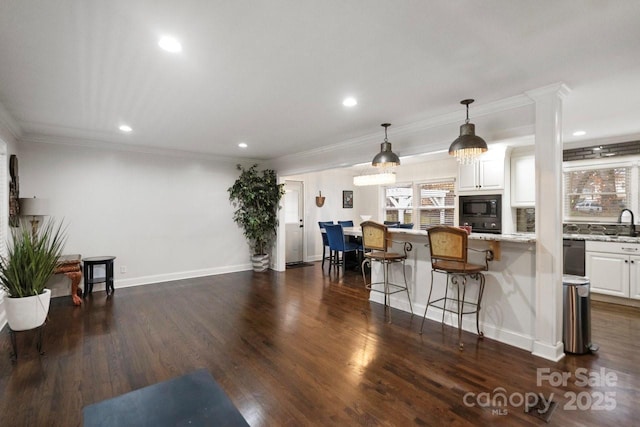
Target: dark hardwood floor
[(302, 348)]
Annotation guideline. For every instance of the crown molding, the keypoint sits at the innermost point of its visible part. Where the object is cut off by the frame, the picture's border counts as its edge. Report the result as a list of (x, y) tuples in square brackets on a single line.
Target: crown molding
[(36, 138), (415, 127), (9, 123), (559, 88)]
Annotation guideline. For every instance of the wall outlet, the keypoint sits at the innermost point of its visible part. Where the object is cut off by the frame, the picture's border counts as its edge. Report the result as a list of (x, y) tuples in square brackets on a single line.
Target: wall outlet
[(123, 269)]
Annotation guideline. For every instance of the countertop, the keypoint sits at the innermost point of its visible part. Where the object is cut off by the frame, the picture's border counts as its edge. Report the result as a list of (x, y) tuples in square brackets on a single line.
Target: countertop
[(526, 237), (515, 238)]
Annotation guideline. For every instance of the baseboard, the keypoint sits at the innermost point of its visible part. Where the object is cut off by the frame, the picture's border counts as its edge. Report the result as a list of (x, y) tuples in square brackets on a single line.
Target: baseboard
[(513, 338), (148, 280), (62, 288), (615, 300), (547, 351)]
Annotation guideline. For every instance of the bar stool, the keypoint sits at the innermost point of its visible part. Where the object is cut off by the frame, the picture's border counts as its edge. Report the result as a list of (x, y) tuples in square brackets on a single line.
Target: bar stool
[(449, 252), (376, 238), (90, 279)]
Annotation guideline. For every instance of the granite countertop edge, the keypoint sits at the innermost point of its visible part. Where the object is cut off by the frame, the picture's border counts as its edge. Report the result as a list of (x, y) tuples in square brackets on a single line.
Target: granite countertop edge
[(526, 237)]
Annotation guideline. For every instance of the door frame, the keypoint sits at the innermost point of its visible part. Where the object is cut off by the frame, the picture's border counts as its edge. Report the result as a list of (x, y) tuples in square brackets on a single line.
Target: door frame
[(301, 208)]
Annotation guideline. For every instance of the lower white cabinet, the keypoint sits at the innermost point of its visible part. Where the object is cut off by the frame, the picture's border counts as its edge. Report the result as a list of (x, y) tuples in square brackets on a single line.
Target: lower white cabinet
[(613, 268), (634, 277)]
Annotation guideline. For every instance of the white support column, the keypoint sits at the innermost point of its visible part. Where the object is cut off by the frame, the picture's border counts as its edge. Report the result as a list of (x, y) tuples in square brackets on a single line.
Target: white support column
[(548, 155)]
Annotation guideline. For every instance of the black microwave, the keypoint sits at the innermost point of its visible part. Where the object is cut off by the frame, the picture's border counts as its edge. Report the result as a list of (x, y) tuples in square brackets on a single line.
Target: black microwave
[(483, 213)]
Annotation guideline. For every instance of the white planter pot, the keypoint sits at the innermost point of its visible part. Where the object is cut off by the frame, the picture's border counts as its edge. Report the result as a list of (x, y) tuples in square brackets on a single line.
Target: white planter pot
[(260, 262), (28, 312)]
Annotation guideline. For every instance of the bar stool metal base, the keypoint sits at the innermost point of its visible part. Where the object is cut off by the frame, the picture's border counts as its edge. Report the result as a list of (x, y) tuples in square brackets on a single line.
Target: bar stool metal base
[(459, 280), (388, 288)]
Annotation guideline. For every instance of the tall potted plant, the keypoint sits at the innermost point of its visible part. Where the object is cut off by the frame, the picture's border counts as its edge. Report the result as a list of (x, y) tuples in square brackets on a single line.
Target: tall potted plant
[(256, 195), (32, 256)]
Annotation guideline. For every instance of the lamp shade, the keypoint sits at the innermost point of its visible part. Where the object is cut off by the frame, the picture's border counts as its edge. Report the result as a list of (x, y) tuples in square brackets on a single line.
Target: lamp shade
[(468, 146), (386, 157), (34, 206)]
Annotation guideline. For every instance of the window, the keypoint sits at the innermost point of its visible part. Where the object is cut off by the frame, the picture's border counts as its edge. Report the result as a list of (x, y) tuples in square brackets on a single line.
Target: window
[(399, 204), (437, 203), (596, 194)]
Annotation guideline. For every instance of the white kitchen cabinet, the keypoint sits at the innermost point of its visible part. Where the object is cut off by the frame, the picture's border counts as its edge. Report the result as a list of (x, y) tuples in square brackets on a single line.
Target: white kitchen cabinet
[(613, 268), (485, 174), (608, 273), (634, 277), (523, 181)]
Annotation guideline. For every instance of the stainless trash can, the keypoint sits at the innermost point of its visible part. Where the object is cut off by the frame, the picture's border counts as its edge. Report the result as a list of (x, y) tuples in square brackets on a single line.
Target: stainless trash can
[(576, 333)]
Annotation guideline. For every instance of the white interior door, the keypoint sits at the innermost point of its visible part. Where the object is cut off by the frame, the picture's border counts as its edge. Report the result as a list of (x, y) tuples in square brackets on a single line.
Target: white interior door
[(294, 221)]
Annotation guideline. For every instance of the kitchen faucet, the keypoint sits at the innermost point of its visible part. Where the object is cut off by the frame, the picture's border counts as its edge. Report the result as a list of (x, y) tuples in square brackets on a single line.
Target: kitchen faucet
[(632, 226)]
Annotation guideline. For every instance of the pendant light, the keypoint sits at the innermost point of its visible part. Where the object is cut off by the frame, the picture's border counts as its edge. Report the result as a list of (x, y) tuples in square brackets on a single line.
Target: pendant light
[(468, 146), (386, 157)]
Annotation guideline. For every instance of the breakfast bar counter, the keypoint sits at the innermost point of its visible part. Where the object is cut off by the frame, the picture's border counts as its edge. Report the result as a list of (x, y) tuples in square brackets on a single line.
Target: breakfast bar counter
[(508, 304)]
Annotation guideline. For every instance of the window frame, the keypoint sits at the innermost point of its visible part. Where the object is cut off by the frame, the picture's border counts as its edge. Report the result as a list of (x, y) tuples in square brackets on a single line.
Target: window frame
[(453, 208), (633, 194), (398, 185), (415, 208)]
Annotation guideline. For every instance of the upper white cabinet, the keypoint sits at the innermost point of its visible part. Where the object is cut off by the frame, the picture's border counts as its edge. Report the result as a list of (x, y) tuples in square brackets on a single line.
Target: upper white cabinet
[(523, 181), (486, 174)]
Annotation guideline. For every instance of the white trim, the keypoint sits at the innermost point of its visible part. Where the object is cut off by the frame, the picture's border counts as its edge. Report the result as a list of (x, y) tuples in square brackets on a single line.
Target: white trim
[(503, 335), (143, 149), (9, 123), (600, 163), (549, 352)]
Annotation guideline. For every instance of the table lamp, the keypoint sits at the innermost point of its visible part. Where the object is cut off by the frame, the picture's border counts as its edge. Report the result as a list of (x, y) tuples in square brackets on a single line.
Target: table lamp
[(35, 208)]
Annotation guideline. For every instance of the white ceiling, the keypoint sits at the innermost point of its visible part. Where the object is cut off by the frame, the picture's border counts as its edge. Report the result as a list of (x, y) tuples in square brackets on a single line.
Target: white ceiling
[(273, 73)]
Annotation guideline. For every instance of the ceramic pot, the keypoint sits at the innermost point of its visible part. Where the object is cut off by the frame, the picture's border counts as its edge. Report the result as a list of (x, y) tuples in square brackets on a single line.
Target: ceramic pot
[(27, 312), (260, 262)]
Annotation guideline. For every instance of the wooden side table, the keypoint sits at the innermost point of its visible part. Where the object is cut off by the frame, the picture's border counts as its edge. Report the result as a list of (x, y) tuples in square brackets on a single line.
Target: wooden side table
[(69, 265), (90, 279)]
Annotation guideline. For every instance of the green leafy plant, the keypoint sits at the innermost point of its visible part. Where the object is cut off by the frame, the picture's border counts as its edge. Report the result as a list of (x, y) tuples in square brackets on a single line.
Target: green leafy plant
[(31, 258), (256, 195)]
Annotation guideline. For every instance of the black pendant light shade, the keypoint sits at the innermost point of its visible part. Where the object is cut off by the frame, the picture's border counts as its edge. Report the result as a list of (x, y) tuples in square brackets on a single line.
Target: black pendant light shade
[(386, 157), (468, 146)]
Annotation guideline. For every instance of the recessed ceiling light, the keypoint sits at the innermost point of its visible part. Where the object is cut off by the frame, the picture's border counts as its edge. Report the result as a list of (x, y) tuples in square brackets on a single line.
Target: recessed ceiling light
[(243, 145), (350, 102), (579, 133), (125, 128), (170, 44)]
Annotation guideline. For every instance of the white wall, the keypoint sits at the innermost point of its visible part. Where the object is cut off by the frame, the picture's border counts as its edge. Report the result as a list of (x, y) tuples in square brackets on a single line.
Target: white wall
[(7, 138), (366, 200), (162, 217), (331, 183)]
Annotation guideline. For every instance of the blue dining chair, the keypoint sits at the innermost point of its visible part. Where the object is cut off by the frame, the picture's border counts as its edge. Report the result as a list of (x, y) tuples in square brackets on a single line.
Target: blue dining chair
[(352, 239), (337, 245), (407, 225), (325, 242)]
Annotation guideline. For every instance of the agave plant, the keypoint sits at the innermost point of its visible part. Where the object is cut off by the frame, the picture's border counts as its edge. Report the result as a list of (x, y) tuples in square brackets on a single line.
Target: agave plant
[(32, 256)]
